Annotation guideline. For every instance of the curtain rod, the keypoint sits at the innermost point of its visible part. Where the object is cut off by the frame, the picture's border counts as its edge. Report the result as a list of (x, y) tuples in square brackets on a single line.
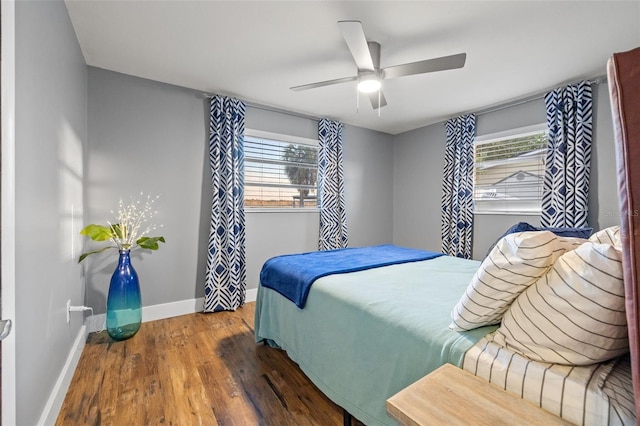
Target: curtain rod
[(530, 98), (204, 95)]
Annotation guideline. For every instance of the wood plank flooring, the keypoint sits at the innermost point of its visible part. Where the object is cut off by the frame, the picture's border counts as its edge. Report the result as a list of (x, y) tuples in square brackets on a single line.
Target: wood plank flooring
[(197, 369)]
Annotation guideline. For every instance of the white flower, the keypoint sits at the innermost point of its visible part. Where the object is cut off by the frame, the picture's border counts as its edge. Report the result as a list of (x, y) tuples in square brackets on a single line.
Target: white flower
[(130, 230)]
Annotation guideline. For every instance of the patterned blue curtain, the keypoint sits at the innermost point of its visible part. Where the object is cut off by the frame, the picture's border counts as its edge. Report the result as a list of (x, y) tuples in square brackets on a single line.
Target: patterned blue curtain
[(333, 218), (457, 187), (568, 164), (225, 284)]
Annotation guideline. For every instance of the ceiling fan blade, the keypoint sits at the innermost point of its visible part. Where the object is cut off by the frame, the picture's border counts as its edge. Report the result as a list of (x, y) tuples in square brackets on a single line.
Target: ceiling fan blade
[(429, 65), (324, 83), (357, 42), (373, 97)]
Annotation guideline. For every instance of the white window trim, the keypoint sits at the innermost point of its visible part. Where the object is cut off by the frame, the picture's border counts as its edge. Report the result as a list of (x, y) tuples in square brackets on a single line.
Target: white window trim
[(280, 137), (493, 137), (520, 131), (284, 138)]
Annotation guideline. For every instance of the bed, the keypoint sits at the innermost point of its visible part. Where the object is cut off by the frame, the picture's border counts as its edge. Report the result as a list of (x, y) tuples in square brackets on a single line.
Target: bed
[(361, 336)]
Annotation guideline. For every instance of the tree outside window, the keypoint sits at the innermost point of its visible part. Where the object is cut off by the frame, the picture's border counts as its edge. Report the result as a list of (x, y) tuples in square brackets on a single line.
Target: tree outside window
[(301, 169)]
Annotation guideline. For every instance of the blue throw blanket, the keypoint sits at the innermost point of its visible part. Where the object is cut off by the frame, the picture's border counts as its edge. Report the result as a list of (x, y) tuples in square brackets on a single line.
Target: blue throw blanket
[(292, 275)]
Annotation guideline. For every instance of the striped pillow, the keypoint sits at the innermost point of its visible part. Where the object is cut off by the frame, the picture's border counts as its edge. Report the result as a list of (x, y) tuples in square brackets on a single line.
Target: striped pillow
[(609, 235), (517, 261), (575, 314)]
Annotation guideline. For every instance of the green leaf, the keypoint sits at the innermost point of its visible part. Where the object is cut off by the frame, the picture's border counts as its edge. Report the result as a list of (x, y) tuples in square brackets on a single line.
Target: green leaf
[(84, 255), (97, 232), (150, 243), (119, 230)]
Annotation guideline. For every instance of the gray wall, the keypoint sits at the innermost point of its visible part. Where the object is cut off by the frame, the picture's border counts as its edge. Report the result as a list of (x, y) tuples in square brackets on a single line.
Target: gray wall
[(417, 187), (147, 137), (51, 79), (368, 168), (418, 160), (152, 137)]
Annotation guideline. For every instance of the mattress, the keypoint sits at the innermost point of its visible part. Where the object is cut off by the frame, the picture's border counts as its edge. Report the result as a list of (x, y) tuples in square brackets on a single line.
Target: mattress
[(364, 336), (597, 394)]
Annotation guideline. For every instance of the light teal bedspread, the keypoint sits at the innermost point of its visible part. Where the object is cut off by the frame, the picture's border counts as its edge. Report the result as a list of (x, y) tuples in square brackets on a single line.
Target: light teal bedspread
[(364, 336)]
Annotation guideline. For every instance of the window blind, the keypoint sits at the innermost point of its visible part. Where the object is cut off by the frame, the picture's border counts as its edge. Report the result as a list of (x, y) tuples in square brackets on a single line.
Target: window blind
[(509, 172), (279, 173)]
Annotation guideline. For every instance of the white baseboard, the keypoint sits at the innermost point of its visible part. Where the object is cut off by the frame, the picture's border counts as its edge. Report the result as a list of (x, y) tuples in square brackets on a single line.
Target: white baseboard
[(56, 398), (251, 295), (165, 310)]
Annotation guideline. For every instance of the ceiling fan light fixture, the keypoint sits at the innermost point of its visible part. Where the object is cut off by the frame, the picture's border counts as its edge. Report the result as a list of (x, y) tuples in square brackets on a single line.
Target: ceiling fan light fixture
[(369, 83)]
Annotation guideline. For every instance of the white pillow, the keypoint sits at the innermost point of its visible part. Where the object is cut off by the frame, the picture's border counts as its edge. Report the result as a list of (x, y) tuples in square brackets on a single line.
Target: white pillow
[(609, 235), (516, 262), (575, 314)]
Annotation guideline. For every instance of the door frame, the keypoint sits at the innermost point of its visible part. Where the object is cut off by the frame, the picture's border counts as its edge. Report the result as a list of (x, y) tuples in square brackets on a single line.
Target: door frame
[(7, 200)]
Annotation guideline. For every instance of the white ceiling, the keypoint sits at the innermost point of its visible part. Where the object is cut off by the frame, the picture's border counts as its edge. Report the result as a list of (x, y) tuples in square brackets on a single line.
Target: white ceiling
[(257, 50)]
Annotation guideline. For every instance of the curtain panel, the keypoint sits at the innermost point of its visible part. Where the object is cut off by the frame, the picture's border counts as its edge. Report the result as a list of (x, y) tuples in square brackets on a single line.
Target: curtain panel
[(568, 162), (457, 187), (333, 217), (225, 284)]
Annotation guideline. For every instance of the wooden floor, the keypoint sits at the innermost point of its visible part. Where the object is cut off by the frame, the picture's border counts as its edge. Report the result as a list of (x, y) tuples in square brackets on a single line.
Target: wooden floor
[(194, 369)]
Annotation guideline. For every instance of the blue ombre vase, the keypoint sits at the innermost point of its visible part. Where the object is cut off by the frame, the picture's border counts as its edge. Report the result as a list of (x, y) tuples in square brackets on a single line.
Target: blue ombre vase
[(124, 303)]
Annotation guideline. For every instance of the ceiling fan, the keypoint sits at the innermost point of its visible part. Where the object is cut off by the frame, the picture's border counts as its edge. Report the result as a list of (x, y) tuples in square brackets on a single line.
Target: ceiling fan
[(367, 58)]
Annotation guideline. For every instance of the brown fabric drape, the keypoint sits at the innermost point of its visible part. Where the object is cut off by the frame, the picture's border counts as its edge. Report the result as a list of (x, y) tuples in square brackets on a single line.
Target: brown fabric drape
[(624, 90)]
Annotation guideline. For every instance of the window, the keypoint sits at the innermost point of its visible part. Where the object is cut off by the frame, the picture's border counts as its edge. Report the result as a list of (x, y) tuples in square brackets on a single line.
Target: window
[(280, 171), (509, 171)]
